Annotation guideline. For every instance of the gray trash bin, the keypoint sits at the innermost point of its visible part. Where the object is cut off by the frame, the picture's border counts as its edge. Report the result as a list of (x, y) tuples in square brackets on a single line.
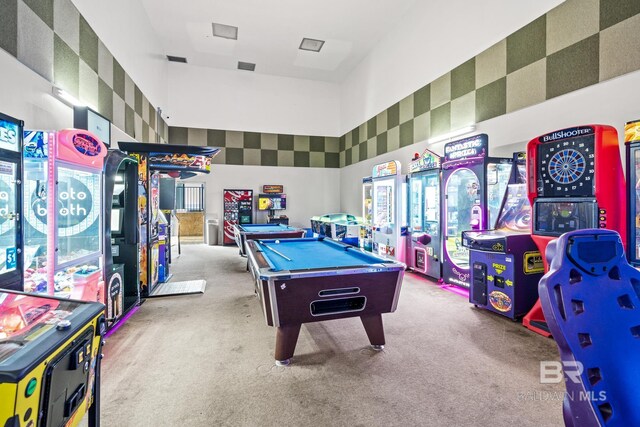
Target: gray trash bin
[(212, 232)]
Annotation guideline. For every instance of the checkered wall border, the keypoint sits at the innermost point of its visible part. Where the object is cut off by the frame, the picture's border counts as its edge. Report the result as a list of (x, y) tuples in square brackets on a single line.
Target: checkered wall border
[(262, 149), (575, 45), (578, 44), (53, 39)]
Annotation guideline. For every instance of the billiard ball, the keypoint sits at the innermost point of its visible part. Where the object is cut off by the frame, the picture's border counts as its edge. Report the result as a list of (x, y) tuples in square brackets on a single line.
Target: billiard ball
[(277, 242)]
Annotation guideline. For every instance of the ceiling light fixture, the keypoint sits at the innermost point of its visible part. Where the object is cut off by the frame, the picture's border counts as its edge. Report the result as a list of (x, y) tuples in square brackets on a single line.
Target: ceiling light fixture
[(453, 134), (246, 66), (225, 31), (68, 99), (313, 45), (181, 59)]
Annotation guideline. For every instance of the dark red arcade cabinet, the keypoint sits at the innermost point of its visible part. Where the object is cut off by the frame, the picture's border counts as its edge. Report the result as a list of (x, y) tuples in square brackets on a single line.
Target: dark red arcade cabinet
[(575, 181)]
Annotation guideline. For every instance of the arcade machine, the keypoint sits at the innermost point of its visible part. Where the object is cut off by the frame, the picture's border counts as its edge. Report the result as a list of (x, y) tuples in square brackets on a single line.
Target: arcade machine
[(165, 225), (424, 244), (273, 202), (153, 159), (121, 247), (365, 241), (575, 181), (63, 205), (11, 252), (49, 360), (238, 209), (474, 185), (389, 210), (632, 143), (506, 265)]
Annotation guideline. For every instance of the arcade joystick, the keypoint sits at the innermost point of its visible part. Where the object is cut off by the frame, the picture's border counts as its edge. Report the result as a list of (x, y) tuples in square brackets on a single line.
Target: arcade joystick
[(425, 239)]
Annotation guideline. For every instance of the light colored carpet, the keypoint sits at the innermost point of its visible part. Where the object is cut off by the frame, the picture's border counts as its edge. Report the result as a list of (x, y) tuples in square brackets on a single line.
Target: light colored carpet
[(207, 360)]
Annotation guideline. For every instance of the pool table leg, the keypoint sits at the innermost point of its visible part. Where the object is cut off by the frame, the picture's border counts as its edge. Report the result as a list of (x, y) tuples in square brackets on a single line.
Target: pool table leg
[(286, 340), (375, 330)]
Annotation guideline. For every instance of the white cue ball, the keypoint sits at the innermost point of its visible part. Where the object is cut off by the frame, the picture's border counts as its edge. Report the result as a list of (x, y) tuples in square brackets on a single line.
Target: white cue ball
[(277, 242)]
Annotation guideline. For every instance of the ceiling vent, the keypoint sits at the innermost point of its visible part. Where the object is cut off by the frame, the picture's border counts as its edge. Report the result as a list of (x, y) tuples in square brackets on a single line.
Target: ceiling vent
[(177, 59), (225, 31), (311, 44), (247, 66)]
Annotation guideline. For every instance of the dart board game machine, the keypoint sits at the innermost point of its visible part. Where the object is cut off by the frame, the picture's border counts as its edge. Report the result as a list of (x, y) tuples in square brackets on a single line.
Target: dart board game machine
[(506, 264), (575, 181)]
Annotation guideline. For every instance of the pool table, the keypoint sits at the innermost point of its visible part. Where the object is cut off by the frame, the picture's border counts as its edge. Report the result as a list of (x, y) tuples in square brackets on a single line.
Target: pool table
[(246, 232), (314, 279)]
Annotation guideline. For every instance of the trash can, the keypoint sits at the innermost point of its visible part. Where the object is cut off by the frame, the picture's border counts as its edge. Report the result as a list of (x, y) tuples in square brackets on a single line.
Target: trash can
[(212, 232)]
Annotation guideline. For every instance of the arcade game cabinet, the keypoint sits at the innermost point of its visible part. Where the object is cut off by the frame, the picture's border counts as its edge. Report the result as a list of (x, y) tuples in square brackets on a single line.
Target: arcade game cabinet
[(238, 209), (575, 181), (389, 210), (365, 241), (49, 360), (121, 235), (153, 160), (63, 206), (474, 186), (632, 143), (166, 224), (506, 265), (424, 245), (11, 251)]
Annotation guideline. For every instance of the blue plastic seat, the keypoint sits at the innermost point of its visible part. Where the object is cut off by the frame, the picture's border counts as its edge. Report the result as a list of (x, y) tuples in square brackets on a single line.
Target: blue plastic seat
[(591, 300)]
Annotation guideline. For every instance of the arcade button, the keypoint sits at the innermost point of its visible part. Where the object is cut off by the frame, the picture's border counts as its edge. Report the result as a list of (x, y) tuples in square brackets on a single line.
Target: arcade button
[(31, 387)]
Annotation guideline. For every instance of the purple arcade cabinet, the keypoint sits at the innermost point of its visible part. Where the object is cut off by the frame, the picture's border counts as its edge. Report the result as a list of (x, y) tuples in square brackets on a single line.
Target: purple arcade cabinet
[(506, 264), (474, 185)]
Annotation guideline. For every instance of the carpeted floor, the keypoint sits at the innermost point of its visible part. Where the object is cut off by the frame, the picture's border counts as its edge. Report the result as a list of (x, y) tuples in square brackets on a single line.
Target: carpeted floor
[(207, 360)]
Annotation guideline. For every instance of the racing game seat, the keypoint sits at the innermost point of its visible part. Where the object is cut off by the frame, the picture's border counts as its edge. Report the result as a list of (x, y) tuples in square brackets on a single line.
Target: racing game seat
[(591, 300)]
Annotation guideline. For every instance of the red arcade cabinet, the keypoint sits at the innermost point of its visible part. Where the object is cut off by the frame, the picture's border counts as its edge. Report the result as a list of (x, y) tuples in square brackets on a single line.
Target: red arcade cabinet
[(575, 181)]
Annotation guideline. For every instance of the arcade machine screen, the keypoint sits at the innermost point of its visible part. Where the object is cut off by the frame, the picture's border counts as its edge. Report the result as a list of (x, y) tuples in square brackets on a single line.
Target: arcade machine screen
[(497, 179), (516, 213), (116, 221), (8, 210), (635, 222), (565, 168), (463, 212), (425, 202), (78, 214), (367, 202), (416, 204), (384, 203)]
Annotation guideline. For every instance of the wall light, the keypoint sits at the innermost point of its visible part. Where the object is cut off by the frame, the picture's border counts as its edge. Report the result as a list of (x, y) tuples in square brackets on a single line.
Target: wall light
[(453, 134), (68, 99)]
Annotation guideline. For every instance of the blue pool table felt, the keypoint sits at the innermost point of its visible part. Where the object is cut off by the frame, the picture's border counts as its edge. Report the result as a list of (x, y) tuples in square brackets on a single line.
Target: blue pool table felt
[(312, 253), (266, 228)]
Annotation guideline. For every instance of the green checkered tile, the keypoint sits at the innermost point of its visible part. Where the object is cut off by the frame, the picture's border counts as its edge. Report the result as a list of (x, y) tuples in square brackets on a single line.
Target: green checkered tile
[(406, 133), (88, 85), (527, 45), (441, 119), (285, 142), (269, 141), (9, 27), (341, 143), (573, 67), (343, 155), (145, 133), (363, 151), (372, 127), (463, 79), (615, 11), (138, 100), (355, 153), (393, 139), (66, 23), (317, 144), (269, 157), (105, 100), (197, 137), (251, 157), (441, 91), (215, 137), (355, 137), (88, 45), (491, 100), (42, 8), (285, 158), (331, 160), (301, 143), (178, 135), (393, 116), (153, 116), (381, 143), (220, 158), (463, 111), (422, 127), (234, 156), (362, 133), (422, 100), (251, 140), (347, 156), (372, 147), (331, 145), (301, 159), (118, 79), (316, 159), (406, 110), (66, 67), (234, 139)]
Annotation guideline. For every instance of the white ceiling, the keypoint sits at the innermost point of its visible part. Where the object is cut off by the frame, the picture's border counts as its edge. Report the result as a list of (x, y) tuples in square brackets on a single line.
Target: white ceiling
[(270, 32)]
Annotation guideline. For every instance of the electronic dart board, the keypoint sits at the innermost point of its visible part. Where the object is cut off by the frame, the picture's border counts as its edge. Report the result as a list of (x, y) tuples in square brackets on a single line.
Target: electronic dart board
[(575, 181)]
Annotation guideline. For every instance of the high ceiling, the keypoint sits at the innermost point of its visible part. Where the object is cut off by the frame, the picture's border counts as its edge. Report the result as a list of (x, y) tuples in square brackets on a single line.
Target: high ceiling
[(270, 32)]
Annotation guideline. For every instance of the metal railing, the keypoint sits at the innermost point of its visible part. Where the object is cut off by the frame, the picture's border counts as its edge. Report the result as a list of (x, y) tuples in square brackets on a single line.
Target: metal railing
[(190, 197)]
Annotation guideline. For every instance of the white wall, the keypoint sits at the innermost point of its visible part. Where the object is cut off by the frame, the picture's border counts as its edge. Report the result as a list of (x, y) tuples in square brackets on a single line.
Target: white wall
[(609, 103), (124, 28), (422, 47), (239, 100), (310, 191)]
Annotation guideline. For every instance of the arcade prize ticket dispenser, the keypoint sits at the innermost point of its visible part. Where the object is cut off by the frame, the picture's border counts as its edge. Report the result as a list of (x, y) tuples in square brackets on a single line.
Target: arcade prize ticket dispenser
[(11, 271), (49, 360), (389, 210), (632, 143), (474, 186), (506, 264), (575, 181), (63, 205), (424, 244)]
